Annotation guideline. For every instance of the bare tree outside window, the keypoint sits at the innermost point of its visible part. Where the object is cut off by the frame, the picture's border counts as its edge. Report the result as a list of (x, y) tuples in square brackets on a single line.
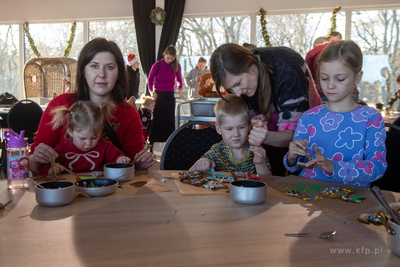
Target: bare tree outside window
[(51, 39), (201, 36), (298, 31), (9, 57), (123, 33), (377, 32)]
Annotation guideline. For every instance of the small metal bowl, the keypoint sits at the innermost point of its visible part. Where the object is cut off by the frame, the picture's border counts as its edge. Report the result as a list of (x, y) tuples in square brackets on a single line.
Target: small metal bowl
[(393, 241), (248, 192), (114, 170), (57, 193), (97, 191)]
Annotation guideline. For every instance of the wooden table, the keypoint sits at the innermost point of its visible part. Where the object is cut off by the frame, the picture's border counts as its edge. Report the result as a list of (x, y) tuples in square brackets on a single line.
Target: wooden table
[(168, 229)]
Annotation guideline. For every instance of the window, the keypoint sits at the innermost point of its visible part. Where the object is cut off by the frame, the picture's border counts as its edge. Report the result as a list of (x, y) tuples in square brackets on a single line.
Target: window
[(201, 36), (123, 33), (51, 39), (9, 57), (298, 31), (377, 33)]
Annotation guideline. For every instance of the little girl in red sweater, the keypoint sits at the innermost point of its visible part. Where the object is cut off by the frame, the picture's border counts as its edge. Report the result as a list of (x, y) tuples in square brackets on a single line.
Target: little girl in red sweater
[(84, 151)]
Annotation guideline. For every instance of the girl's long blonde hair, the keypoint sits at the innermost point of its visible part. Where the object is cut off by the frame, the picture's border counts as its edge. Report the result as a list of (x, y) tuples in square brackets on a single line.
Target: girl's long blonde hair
[(83, 115)]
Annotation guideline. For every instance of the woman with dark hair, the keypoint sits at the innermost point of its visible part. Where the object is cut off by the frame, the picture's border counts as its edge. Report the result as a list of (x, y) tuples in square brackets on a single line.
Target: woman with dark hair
[(101, 77), (274, 81), (161, 85)]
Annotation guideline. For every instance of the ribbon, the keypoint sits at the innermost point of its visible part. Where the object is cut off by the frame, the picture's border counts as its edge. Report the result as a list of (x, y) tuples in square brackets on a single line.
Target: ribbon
[(75, 157)]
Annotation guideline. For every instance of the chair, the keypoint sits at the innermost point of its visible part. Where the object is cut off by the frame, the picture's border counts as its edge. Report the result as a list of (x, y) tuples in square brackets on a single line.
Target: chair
[(25, 115), (391, 178), (186, 145)]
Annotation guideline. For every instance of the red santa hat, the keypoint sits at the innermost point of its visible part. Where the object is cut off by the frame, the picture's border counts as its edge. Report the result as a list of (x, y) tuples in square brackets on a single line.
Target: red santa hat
[(132, 58), (67, 77)]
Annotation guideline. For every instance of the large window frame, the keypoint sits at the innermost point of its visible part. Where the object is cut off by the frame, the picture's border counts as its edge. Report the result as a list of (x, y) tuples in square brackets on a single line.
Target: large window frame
[(253, 19)]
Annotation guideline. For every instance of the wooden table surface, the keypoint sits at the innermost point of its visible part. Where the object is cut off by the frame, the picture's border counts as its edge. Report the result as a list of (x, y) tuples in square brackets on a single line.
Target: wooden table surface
[(168, 229)]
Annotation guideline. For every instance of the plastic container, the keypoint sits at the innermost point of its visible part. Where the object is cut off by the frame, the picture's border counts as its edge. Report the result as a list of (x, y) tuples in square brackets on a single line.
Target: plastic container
[(17, 159)]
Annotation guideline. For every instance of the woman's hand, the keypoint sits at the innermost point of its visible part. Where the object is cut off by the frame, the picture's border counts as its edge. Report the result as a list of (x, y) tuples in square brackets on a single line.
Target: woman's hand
[(257, 118), (259, 154), (42, 153), (123, 159), (203, 164), (258, 133), (321, 162), (145, 161), (180, 93), (297, 148), (197, 78), (153, 94)]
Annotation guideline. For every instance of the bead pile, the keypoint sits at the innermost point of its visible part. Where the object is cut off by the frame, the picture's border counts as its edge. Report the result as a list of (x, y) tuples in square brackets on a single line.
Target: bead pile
[(195, 178)]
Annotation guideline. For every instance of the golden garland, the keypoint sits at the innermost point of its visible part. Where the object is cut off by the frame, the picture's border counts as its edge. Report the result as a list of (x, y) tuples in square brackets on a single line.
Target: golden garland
[(67, 50), (30, 40), (333, 20), (153, 16), (262, 13)]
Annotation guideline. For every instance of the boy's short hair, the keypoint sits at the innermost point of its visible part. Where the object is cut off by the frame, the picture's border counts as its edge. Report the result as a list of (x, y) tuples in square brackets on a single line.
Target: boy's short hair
[(398, 79), (230, 105)]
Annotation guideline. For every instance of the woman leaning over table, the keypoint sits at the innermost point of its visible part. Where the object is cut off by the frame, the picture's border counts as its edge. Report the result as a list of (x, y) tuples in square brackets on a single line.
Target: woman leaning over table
[(161, 84), (274, 82), (101, 77)]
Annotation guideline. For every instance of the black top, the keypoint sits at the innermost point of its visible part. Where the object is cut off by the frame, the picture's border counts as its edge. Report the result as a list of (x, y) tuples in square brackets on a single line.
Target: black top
[(133, 82)]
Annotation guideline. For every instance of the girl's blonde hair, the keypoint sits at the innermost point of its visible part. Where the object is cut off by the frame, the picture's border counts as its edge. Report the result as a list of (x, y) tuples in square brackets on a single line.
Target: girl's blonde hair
[(171, 50), (347, 51), (236, 59), (83, 115), (230, 105), (147, 101)]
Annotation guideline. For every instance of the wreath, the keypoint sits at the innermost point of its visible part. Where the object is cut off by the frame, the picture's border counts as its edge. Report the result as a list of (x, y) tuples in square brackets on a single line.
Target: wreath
[(153, 16)]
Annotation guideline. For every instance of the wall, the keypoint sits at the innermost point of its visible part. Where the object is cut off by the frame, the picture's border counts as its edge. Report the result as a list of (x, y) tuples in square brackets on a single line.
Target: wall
[(50, 10)]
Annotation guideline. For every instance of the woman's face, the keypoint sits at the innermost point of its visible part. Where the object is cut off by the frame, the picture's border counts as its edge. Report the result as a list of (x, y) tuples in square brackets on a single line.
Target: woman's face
[(242, 84), (101, 73), (168, 58)]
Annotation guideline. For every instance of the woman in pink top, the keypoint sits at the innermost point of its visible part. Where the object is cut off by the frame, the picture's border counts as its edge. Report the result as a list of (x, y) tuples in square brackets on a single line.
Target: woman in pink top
[(161, 84)]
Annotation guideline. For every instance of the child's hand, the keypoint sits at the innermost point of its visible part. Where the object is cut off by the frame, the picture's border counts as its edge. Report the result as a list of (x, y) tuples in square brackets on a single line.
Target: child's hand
[(297, 148), (258, 133), (57, 170), (321, 162), (259, 154), (203, 164), (123, 159), (208, 83)]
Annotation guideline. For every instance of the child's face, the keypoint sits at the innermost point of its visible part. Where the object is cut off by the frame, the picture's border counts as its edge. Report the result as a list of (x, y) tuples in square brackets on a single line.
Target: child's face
[(85, 140), (234, 130), (338, 80), (150, 107)]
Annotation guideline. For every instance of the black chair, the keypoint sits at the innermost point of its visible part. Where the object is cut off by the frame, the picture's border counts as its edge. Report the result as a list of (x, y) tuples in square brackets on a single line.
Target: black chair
[(25, 115), (391, 179), (186, 145)]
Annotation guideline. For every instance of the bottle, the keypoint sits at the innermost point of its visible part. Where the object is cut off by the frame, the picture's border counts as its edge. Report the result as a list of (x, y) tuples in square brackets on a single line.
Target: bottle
[(17, 159)]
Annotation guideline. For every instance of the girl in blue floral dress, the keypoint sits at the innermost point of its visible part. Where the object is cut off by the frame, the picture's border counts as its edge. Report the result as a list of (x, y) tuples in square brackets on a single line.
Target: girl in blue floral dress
[(340, 141)]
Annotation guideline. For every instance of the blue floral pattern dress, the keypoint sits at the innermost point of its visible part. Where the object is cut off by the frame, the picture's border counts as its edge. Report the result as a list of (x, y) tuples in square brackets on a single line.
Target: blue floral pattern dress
[(354, 141)]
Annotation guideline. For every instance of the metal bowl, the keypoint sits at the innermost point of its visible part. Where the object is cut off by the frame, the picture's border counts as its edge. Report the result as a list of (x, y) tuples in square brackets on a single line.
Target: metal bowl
[(114, 170), (97, 191), (393, 241), (248, 192), (58, 193)]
